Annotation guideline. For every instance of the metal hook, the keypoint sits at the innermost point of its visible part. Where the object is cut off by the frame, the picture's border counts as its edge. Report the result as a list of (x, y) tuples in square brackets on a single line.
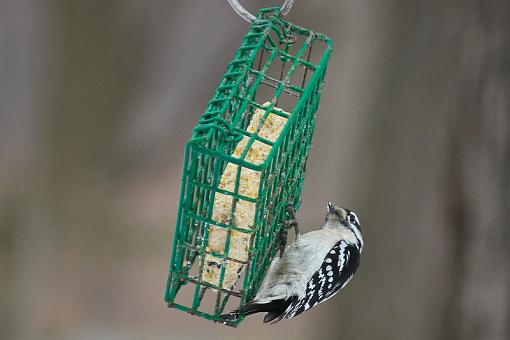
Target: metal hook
[(243, 13)]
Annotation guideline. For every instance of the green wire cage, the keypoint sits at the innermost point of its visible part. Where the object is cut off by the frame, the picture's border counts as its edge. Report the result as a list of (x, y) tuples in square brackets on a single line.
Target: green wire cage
[(243, 166)]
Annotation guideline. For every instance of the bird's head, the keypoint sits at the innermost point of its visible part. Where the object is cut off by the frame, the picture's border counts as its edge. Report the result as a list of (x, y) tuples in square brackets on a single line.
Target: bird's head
[(337, 217)]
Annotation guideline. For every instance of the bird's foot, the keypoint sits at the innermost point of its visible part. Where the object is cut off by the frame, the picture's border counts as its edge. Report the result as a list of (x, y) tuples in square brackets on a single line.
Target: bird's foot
[(293, 224), (290, 223), (291, 211), (283, 241)]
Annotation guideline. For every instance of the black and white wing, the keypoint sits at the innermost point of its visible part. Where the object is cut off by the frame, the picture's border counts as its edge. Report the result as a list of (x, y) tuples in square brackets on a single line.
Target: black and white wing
[(337, 269)]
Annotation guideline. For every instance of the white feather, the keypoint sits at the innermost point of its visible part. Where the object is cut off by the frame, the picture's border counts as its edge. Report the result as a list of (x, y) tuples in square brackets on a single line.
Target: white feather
[(289, 275)]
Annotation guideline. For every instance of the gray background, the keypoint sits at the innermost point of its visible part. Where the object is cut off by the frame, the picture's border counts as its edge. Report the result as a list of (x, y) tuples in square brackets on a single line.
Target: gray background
[(97, 99)]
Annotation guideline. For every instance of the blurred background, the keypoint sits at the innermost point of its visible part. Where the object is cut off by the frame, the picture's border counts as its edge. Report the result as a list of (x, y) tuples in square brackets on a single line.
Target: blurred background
[(97, 100)]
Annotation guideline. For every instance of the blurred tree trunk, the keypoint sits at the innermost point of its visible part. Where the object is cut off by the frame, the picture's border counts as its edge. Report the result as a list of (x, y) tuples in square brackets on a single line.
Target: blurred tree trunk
[(480, 180), (435, 159)]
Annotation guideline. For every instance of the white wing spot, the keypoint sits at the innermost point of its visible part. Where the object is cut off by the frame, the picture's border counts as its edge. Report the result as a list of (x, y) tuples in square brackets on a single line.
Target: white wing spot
[(329, 268), (332, 251), (330, 279), (329, 286), (328, 260), (330, 273), (341, 258)]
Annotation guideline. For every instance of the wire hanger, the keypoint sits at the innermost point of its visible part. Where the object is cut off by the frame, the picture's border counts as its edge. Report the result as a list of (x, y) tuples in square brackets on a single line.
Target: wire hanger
[(243, 12)]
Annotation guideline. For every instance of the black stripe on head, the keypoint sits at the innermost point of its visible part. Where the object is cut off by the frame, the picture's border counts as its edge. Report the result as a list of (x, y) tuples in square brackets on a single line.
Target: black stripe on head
[(353, 219), (352, 223)]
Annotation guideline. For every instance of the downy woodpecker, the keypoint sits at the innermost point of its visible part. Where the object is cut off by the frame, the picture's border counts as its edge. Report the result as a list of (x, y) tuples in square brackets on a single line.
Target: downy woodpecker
[(316, 266)]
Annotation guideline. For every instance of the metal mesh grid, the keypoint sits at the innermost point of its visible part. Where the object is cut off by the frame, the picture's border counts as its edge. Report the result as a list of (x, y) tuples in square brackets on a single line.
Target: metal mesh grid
[(284, 65)]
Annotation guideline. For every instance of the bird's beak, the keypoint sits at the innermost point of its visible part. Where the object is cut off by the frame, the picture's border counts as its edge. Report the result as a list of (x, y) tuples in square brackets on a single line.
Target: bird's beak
[(330, 207)]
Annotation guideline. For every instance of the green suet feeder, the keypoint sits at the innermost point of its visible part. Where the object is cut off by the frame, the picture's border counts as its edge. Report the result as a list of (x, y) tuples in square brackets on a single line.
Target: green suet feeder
[(243, 166)]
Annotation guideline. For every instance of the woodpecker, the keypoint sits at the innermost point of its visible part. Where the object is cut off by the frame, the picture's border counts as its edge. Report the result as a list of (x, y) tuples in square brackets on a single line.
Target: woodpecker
[(315, 267)]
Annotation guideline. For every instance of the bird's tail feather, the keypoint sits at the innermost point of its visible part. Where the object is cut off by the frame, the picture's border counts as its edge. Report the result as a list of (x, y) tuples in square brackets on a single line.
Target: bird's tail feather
[(273, 317), (273, 308)]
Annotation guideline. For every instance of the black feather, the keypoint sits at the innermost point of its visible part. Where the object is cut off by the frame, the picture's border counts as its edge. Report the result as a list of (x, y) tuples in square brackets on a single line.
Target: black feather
[(275, 307), (337, 269), (271, 316)]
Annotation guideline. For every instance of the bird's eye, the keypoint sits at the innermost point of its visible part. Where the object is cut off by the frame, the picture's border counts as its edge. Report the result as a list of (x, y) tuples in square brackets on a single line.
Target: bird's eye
[(352, 218)]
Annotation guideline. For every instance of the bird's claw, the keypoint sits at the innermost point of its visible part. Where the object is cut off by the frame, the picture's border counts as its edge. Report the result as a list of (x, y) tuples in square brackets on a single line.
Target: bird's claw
[(283, 241), (290, 223), (293, 224), (291, 211)]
